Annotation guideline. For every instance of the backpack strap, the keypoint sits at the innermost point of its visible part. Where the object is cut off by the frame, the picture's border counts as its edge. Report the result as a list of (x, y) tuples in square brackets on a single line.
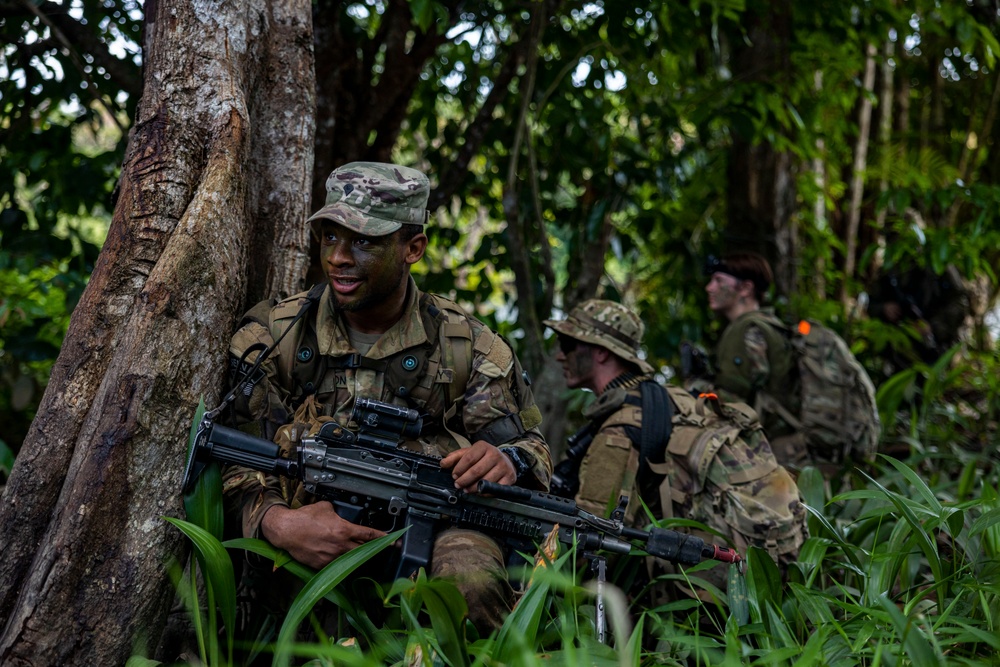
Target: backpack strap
[(451, 357), (654, 434), (299, 360)]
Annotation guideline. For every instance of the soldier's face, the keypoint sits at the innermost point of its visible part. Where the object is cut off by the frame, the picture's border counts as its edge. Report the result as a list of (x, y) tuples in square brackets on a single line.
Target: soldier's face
[(577, 360), (723, 291), (366, 271)]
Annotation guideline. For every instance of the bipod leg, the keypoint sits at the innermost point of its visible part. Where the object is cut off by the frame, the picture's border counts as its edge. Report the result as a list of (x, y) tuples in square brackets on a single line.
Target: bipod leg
[(599, 567)]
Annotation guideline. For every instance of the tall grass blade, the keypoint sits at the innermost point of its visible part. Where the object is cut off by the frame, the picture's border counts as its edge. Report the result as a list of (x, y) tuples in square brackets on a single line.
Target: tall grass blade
[(318, 587), (217, 568), (924, 541), (357, 618), (918, 649), (520, 628), (848, 549), (203, 504), (915, 482), (447, 610)]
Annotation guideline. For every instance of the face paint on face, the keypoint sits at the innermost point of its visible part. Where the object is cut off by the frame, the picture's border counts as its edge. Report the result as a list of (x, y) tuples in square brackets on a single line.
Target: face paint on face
[(723, 292), (364, 271), (578, 365)]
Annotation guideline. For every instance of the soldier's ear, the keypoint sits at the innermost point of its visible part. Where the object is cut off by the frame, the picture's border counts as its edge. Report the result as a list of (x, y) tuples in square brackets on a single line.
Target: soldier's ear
[(415, 249), (600, 354)]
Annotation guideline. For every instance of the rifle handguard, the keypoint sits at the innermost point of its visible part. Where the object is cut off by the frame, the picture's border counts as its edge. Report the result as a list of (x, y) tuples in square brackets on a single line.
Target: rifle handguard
[(681, 547)]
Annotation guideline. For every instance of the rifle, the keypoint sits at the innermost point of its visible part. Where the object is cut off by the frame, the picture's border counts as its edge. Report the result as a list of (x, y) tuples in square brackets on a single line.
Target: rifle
[(694, 362), (565, 480), (369, 479)]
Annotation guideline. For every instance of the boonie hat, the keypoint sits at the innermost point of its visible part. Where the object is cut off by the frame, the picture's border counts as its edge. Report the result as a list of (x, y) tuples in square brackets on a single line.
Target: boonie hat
[(607, 324), (375, 198)]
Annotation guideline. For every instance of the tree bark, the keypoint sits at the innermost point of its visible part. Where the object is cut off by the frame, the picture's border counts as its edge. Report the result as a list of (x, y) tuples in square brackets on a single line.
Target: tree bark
[(217, 133), (761, 195)]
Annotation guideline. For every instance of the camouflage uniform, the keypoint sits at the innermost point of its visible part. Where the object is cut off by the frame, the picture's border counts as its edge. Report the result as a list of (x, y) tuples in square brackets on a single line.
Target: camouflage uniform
[(494, 405), (754, 357), (730, 481)]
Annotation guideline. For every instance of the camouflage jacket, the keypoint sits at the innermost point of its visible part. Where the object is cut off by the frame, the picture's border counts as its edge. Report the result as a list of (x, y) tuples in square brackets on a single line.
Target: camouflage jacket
[(492, 395)]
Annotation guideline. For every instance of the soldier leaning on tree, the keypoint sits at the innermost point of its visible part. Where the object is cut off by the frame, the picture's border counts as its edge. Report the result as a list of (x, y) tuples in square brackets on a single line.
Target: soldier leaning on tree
[(654, 443), (371, 333)]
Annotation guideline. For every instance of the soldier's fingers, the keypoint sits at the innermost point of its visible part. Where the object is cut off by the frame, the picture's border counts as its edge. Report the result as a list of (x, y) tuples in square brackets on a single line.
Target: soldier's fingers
[(452, 458), (475, 473), (367, 534), (470, 459)]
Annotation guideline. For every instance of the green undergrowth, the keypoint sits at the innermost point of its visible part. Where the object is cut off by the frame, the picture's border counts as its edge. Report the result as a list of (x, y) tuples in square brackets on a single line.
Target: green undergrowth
[(902, 567)]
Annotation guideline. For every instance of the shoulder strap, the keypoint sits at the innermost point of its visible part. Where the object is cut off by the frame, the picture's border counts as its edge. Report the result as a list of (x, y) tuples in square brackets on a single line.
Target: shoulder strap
[(254, 314), (656, 422), (298, 355)]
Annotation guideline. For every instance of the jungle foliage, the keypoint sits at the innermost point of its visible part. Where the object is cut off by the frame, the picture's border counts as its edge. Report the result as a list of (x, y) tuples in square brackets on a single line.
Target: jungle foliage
[(583, 148)]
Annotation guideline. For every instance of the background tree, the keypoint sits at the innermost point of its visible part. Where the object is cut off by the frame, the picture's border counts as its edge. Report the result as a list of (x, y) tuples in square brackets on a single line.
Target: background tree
[(576, 149)]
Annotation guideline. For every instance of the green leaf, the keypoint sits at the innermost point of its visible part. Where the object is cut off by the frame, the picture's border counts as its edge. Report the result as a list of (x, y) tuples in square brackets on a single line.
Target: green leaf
[(918, 649), (848, 549), (924, 541), (6, 458), (423, 13), (985, 522), (318, 587), (915, 483), (203, 504), (812, 485), (447, 610), (140, 661), (765, 579), (217, 568), (520, 628)]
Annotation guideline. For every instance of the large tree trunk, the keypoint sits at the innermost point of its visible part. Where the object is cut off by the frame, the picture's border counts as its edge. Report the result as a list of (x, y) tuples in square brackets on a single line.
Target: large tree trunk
[(219, 166), (761, 180)]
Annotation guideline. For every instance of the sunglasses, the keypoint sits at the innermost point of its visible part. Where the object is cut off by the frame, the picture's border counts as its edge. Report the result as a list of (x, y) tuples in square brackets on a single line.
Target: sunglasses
[(567, 344)]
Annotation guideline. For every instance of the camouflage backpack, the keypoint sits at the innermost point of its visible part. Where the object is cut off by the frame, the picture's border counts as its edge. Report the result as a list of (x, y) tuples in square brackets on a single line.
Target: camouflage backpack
[(721, 472), (839, 418)]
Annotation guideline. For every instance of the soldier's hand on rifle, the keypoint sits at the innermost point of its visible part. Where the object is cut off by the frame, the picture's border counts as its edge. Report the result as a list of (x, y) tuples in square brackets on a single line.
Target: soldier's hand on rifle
[(314, 534), (478, 462)]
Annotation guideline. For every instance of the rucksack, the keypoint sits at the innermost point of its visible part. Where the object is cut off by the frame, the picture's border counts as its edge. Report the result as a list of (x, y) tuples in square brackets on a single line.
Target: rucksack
[(720, 471), (723, 474), (839, 417)]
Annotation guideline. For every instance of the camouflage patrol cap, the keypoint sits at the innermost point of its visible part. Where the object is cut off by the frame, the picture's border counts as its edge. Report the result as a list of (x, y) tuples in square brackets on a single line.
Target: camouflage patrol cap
[(606, 324), (374, 198)]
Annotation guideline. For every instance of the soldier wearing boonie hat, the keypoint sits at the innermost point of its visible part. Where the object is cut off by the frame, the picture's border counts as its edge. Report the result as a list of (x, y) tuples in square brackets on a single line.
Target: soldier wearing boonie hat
[(623, 449), (375, 199), (370, 332), (599, 348), (607, 324)]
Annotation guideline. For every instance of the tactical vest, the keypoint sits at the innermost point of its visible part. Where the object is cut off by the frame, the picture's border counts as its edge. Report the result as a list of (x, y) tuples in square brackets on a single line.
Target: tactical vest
[(444, 360)]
